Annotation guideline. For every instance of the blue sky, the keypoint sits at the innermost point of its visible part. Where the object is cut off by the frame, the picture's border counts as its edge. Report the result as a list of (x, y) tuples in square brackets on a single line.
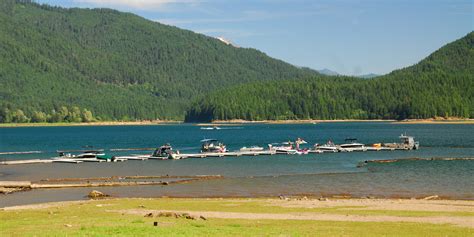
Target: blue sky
[(352, 37)]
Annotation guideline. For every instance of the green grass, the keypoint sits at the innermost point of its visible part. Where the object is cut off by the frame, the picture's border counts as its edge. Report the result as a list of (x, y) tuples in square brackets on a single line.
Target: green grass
[(93, 219)]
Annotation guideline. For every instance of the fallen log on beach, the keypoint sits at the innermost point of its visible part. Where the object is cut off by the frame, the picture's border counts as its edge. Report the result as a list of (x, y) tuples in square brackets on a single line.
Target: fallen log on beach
[(15, 184), (135, 177), (361, 164), (114, 181)]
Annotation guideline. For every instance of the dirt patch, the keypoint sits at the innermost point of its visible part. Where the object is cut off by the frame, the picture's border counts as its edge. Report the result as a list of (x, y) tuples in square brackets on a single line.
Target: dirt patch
[(381, 204), (42, 205), (459, 221)]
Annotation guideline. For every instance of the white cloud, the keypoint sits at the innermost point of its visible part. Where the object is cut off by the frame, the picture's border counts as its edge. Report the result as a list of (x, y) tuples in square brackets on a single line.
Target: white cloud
[(137, 4)]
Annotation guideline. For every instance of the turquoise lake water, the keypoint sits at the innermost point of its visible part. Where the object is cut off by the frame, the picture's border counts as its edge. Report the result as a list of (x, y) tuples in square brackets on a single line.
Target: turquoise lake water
[(313, 174)]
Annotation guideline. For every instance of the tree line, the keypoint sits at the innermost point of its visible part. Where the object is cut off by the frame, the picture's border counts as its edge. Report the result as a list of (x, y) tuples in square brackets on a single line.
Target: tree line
[(72, 114)]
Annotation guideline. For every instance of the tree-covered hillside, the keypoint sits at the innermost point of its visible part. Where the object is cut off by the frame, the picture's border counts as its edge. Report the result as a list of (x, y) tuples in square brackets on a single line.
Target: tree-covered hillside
[(440, 85), (115, 65)]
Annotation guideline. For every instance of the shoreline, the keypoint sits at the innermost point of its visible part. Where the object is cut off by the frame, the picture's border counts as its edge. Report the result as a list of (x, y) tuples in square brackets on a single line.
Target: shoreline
[(236, 122), (110, 186), (313, 121), (302, 121), (436, 121), (336, 199), (109, 123)]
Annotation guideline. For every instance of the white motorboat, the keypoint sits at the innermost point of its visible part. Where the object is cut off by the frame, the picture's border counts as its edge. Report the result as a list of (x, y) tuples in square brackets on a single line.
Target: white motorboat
[(283, 148), (409, 142), (328, 147), (90, 154), (84, 154), (252, 148), (352, 145), (211, 128), (212, 145), (289, 147)]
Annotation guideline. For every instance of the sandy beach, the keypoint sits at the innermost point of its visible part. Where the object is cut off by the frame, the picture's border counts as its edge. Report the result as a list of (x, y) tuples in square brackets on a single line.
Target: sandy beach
[(312, 121), (436, 121), (302, 121)]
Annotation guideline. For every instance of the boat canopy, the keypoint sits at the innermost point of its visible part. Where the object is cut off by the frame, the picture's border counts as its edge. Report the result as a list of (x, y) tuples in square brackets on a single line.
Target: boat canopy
[(84, 151), (404, 136), (350, 139)]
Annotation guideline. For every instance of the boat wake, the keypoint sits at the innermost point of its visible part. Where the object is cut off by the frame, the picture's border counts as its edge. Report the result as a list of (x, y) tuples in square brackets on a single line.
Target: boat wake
[(221, 128)]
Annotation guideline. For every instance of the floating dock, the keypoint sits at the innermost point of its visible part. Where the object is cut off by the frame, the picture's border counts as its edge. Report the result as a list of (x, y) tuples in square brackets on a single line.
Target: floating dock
[(24, 162), (222, 154), (139, 157), (175, 156)]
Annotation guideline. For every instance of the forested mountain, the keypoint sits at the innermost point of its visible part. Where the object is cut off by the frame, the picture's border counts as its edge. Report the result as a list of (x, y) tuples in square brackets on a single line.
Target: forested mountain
[(59, 64), (66, 64), (440, 85)]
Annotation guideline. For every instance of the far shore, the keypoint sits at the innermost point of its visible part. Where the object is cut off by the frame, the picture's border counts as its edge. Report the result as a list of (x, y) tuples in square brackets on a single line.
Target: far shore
[(436, 121), (296, 121), (102, 123), (313, 121), (235, 122)]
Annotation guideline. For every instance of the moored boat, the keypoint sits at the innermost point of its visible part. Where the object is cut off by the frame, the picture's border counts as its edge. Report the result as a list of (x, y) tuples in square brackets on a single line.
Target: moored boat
[(164, 152), (352, 145), (84, 154), (212, 145), (289, 147), (407, 143), (252, 148), (90, 154), (328, 147), (283, 148), (211, 128)]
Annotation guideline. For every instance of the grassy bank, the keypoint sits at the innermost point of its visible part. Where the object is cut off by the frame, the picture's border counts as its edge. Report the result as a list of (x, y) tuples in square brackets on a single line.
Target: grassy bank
[(241, 217)]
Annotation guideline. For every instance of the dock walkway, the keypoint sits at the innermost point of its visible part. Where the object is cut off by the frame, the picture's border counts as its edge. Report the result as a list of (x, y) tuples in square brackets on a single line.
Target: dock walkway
[(175, 156), (139, 157)]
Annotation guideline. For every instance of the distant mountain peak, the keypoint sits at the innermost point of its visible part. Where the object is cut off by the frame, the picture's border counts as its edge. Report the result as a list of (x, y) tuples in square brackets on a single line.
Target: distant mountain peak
[(368, 76), (328, 72)]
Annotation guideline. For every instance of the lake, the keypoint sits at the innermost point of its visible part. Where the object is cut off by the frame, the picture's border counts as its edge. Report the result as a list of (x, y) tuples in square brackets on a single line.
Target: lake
[(313, 174)]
